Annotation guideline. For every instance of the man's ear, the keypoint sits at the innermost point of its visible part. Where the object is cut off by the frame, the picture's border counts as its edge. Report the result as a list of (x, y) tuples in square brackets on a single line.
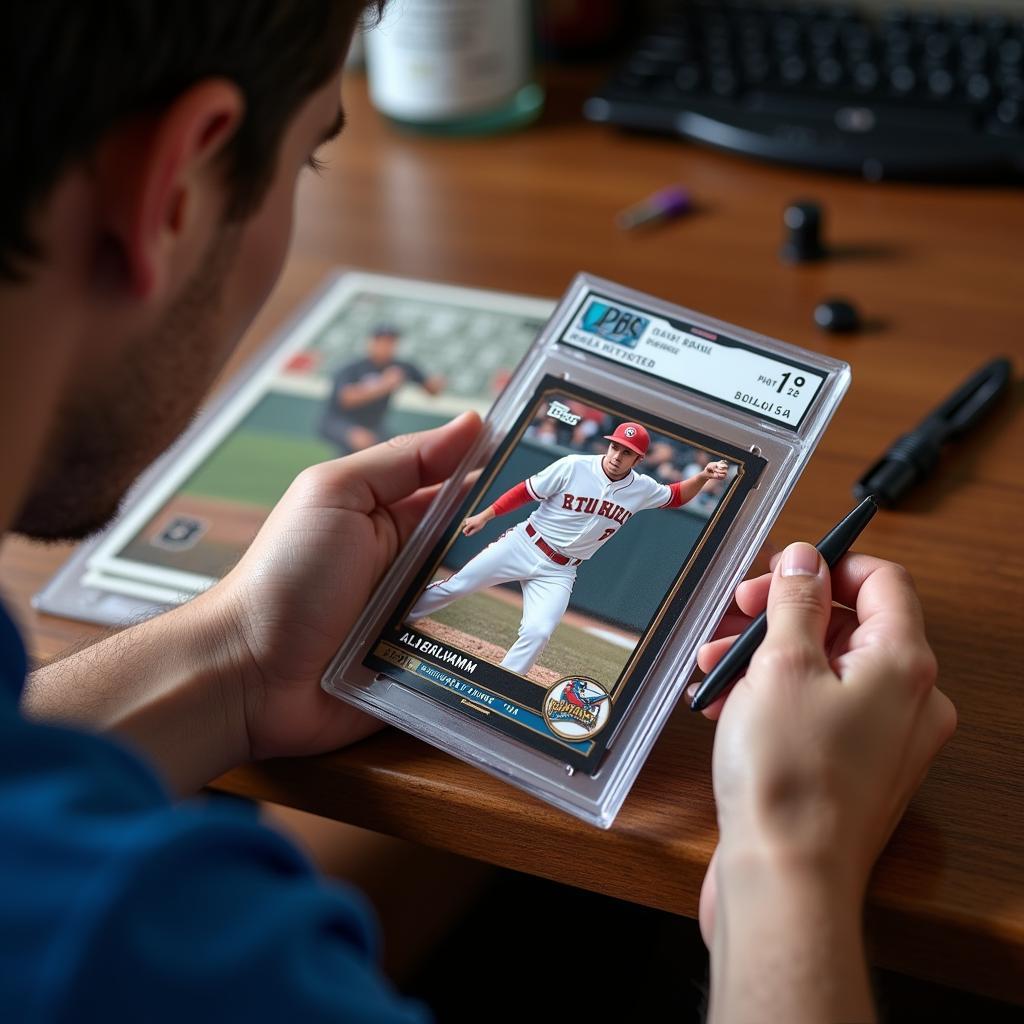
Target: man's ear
[(160, 193)]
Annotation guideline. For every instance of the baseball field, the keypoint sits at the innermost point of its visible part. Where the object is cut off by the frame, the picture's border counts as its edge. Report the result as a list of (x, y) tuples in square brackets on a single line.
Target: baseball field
[(578, 645)]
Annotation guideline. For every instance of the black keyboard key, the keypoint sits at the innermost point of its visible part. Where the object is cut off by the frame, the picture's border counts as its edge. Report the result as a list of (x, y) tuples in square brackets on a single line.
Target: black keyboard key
[(724, 82), (1011, 53), (829, 73), (973, 49), (902, 80), (866, 77), (793, 70), (979, 88), (940, 84), (1010, 113)]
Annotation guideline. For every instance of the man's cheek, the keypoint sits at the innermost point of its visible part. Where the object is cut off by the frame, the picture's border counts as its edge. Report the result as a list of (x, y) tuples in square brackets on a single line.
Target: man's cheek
[(263, 247)]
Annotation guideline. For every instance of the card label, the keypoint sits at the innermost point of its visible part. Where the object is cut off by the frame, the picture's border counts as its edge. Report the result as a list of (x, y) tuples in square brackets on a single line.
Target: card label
[(694, 358)]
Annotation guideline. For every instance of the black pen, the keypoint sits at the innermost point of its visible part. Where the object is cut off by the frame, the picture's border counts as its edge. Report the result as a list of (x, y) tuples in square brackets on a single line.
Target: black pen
[(832, 547), (913, 456)]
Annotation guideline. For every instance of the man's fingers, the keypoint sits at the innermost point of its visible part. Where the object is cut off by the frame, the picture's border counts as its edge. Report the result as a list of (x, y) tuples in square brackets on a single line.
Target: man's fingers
[(714, 709), (891, 628), (711, 653), (732, 623), (799, 608), (752, 595), (848, 576), (409, 512)]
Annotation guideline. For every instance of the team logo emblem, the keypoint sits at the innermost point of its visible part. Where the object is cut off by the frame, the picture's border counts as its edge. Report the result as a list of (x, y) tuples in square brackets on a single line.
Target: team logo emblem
[(630, 431), (180, 533), (577, 708)]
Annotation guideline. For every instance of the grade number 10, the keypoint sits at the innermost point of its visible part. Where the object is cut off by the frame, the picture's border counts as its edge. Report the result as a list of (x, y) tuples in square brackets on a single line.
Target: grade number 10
[(798, 382)]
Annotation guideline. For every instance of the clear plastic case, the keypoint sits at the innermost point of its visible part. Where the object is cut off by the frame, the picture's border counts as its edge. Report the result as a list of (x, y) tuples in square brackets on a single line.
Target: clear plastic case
[(685, 379)]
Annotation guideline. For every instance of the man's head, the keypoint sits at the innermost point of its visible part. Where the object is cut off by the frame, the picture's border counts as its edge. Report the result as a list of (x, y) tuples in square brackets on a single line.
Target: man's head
[(382, 344), (150, 165), (627, 445)]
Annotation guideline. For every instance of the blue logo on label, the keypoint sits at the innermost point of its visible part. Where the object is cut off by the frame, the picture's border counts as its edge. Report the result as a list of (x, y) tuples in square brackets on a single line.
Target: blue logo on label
[(618, 325)]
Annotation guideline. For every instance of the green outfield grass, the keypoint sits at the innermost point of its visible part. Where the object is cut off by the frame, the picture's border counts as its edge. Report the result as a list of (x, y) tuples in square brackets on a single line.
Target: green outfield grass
[(569, 651), (255, 467)]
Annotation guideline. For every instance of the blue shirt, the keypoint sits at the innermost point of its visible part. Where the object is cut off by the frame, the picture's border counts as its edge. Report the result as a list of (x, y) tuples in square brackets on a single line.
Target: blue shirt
[(116, 904)]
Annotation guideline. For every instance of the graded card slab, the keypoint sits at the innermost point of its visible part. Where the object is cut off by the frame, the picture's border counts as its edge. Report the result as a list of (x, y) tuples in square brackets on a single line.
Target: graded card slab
[(543, 624), (193, 515)]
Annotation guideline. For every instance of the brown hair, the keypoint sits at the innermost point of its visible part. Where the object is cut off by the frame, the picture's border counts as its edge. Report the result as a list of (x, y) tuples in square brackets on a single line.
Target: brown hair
[(73, 69)]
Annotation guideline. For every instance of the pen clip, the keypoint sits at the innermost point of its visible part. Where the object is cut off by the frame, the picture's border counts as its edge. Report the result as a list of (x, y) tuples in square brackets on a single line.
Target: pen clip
[(972, 400)]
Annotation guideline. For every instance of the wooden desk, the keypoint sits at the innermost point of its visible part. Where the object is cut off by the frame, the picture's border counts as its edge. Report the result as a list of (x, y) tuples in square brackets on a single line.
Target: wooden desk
[(939, 270)]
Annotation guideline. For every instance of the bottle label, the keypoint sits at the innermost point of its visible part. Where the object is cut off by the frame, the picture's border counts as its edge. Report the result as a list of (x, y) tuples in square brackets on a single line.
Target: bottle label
[(434, 60)]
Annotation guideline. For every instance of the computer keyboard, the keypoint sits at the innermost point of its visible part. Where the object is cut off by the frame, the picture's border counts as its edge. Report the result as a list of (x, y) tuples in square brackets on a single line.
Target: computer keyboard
[(918, 94)]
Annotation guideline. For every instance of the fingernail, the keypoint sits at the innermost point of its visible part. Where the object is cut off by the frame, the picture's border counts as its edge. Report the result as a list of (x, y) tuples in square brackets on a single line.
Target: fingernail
[(800, 560)]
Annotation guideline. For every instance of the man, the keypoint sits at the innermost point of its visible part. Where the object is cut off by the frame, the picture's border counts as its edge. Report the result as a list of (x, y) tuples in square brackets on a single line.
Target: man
[(584, 501), (148, 181), (361, 392)]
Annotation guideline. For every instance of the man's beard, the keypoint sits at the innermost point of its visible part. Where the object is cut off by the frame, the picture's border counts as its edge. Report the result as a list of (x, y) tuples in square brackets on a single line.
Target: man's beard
[(103, 437)]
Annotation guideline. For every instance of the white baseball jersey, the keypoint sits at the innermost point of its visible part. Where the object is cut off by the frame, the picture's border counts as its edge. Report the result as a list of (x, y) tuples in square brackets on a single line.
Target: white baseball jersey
[(581, 507)]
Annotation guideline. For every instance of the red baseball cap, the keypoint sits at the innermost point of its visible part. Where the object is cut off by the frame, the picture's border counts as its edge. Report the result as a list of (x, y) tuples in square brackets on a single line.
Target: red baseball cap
[(631, 436)]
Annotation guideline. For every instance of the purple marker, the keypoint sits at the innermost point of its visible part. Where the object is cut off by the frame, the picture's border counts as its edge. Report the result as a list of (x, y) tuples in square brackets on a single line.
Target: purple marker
[(665, 204)]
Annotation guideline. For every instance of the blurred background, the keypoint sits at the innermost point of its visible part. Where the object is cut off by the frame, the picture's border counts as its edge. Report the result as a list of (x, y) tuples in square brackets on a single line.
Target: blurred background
[(924, 90)]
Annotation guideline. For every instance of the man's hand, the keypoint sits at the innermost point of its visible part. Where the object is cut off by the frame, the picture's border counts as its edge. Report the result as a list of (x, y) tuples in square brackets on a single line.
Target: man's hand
[(716, 470), (818, 750), (235, 673), (474, 524), (391, 379), (295, 595), (434, 384)]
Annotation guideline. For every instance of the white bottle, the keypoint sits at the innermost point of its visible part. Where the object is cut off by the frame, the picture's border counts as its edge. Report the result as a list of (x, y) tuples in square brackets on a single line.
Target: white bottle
[(454, 66)]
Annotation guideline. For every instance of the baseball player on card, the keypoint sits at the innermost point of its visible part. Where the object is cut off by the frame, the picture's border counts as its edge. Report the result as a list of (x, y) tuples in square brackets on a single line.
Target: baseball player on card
[(584, 501)]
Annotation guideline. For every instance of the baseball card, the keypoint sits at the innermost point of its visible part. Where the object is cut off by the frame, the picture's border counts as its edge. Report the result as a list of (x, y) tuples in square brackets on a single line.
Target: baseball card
[(548, 597), (371, 357), (545, 616)]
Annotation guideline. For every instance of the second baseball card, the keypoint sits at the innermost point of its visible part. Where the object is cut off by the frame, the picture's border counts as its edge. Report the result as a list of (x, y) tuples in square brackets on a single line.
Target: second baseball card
[(546, 599)]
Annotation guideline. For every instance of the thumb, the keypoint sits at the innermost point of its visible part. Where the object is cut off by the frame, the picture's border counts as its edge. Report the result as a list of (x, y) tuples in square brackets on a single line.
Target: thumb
[(799, 605)]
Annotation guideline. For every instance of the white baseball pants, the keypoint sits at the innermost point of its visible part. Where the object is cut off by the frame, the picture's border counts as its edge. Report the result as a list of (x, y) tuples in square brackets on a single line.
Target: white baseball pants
[(546, 585)]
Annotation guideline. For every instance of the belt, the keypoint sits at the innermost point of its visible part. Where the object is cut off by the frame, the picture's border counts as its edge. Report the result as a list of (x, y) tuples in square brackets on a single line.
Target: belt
[(549, 550)]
